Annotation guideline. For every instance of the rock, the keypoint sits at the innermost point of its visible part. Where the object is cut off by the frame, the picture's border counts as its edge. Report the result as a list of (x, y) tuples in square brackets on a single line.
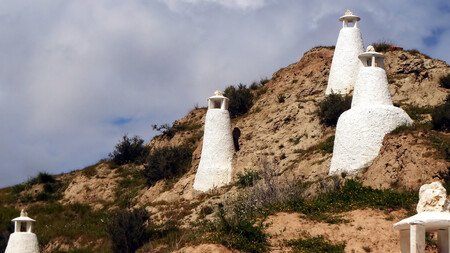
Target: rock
[(433, 198)]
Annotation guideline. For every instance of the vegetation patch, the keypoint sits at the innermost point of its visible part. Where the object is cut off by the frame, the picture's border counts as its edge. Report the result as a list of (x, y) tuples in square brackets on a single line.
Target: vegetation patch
[(129, 150), (49, 189), (247, 179), (332, 107), (444, 81), (167, 163), (6, 226), (327, 145), (440, 117), (127, 231), (241, 100), (68, 221), (167, 237), (353, 195), (169, 131), (260, 84), (316, 244), (132, 181), (442, 143), (383, 46), (239, 232)]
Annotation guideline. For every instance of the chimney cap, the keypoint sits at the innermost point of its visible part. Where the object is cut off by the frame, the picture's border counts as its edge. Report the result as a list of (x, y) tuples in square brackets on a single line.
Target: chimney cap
[(348, 16)]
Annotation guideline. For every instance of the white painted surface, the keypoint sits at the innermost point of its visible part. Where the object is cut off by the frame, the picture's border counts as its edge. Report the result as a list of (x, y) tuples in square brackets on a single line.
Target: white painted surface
[(417, 238), (215, 168), (359, 136), (360, 131), (372, 88), (432, 221), (22, 242), (443, 240), (345, 64)]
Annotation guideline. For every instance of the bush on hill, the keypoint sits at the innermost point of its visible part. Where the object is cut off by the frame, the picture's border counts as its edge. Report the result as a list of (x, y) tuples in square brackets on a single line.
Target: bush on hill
[(332, 107), (127, 231), (382, 46), (440, 117), (167, 163), (241, 100), (129, 150), (240, 232), (316, 244), (444, 81), (42, 178)]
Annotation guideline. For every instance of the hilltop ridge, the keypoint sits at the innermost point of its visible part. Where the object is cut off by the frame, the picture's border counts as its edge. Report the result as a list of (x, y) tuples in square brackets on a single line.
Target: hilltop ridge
[(281, 133)]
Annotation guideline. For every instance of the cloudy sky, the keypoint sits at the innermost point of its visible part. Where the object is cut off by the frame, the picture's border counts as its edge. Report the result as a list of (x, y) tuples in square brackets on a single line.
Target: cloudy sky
[(77, 75)]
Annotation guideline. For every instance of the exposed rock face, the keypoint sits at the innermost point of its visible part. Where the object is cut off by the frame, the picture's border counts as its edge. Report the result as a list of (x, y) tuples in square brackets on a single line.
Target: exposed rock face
[(95, 190), (432, 198), (413, 78), (405, 160)]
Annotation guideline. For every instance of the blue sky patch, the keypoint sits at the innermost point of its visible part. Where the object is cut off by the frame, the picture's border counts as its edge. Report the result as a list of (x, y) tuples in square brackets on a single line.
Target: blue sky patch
[(434, 38), (120, 121)]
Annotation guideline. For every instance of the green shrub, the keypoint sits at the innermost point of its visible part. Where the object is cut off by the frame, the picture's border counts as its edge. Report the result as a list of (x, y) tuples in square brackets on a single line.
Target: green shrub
[(442, 144), (382, 46), (316, 244), (261, 83), (68, 221), (241, 100), (416, 112), (6, 226), (170, 131), (323, 46), (327, 145), (42, 178), (206, 210), (440, 117), (129, 150), (444, 81), (248, 178), (127, 231), (241, 233), (52, 188), (332, 107), (167, 163), (353, 195), (281, 98)]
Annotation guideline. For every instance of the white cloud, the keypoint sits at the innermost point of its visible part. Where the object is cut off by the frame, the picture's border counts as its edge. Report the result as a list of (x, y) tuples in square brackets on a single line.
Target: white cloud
[(232, 4), (70, 69)]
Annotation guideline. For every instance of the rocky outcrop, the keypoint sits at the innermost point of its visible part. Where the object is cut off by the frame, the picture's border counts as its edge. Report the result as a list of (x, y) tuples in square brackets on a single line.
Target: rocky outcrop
[(432, 198), (94, 190), (405, 160)]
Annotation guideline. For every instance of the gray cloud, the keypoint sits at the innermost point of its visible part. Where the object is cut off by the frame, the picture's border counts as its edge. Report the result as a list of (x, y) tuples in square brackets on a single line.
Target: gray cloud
[(76, 75)]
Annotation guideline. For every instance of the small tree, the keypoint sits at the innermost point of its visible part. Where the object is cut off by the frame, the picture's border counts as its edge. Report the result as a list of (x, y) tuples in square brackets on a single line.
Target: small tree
[(440, 117), (444, 81), (167, 163), (332, 107), (127, 231), (129, 151), (241, 100)]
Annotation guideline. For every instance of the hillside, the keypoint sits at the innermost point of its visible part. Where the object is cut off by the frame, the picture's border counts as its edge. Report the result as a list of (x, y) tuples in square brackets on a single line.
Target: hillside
[(285, 152)]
